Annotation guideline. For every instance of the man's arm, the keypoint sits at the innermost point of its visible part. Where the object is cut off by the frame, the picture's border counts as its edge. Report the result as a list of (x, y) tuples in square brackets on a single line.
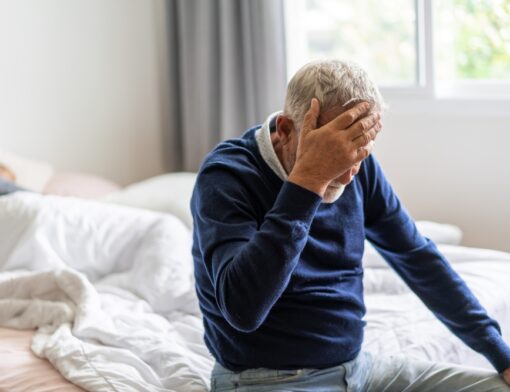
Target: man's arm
[(417, 260), (249, 266)]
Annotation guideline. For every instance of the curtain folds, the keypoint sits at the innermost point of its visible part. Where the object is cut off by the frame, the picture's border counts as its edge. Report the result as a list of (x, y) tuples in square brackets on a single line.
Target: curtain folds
[(227, 72)]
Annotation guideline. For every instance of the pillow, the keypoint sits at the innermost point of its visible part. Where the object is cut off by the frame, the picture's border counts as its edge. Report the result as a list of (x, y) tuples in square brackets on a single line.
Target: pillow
[(30, 174), (170, 193), (440, 233), (80, 185)]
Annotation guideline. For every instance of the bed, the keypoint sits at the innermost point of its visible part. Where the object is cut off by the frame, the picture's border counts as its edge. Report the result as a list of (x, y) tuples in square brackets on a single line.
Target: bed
[(102, 292)]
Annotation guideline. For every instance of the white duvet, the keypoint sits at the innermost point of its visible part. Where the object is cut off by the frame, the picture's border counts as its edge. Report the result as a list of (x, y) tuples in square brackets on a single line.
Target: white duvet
[(111, 292), (397, 322), (110, 289)]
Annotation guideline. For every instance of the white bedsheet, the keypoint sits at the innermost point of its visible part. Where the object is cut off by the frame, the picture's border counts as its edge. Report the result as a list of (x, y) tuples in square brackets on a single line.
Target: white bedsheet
[(111, 289), (397, 322)]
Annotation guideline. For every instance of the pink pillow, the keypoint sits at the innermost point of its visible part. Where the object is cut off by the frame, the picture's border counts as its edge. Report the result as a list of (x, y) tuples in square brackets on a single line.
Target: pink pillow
[(81, 185)]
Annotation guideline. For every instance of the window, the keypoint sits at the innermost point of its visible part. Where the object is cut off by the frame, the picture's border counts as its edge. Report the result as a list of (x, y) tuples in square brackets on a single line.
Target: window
[(425, 47), (338, 28)]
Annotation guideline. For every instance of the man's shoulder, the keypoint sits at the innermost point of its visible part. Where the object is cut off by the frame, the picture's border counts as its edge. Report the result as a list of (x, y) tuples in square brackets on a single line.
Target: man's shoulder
[(233, 175), (237, 156)]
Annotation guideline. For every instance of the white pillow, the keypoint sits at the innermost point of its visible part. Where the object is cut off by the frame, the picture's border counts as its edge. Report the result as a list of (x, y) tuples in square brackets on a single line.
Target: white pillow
[(170, 193), (30, 174), (440, 233)]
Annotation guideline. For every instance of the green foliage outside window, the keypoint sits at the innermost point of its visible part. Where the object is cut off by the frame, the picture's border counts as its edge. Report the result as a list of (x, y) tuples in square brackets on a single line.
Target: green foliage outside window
[(473, 39)]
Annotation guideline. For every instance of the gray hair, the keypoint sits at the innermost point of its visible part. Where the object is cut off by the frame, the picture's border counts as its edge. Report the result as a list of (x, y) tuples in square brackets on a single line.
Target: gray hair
[(333, 83)]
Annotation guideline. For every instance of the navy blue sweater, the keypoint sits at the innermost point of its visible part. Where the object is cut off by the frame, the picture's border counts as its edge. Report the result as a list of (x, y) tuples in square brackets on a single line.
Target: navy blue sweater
[(279, 274)]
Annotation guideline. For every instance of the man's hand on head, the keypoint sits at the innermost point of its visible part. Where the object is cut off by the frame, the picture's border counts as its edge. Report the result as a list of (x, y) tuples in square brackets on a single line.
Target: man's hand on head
[(324, 153)]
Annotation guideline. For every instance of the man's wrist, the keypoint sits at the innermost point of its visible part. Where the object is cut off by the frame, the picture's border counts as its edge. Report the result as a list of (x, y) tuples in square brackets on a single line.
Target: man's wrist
[(296, 203), (307, 182)]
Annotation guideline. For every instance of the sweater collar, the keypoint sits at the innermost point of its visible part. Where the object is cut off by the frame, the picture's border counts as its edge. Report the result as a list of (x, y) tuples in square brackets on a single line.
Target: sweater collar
[(266, 149)]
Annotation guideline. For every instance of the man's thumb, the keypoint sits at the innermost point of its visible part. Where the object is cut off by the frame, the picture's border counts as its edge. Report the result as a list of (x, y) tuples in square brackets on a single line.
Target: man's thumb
[(311, 116)]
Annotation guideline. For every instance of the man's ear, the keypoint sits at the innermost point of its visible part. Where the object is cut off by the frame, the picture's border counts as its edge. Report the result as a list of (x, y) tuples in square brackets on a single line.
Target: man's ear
[(284, 129)]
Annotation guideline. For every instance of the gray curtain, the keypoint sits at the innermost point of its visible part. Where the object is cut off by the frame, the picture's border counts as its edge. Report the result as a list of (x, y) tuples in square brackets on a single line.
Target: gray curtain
[(227, 72)]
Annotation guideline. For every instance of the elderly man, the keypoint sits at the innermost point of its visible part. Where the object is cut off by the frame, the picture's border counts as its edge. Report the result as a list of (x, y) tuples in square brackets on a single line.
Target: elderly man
[(280, 218)]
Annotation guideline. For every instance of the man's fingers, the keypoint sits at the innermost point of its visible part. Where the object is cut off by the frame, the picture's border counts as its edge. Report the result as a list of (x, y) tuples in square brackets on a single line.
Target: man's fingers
[(379, 126), (367, 136), (363, 125), (365, 151), (346, 119), (311, 116)]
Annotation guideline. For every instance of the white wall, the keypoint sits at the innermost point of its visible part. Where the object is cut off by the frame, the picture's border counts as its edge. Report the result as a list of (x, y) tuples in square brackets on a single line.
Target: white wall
[(80, 84), (452, 168)]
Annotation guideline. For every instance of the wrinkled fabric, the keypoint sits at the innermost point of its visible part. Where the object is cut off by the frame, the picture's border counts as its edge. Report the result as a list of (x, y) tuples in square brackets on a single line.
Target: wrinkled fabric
[(109, 289)]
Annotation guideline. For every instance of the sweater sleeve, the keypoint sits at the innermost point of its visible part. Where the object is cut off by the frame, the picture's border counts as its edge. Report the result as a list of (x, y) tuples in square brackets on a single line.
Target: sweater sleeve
[(249, 261), (426, 271)]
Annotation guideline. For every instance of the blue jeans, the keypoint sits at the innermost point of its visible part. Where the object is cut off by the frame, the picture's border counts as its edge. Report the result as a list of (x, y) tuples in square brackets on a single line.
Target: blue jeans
[(365, 373)]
